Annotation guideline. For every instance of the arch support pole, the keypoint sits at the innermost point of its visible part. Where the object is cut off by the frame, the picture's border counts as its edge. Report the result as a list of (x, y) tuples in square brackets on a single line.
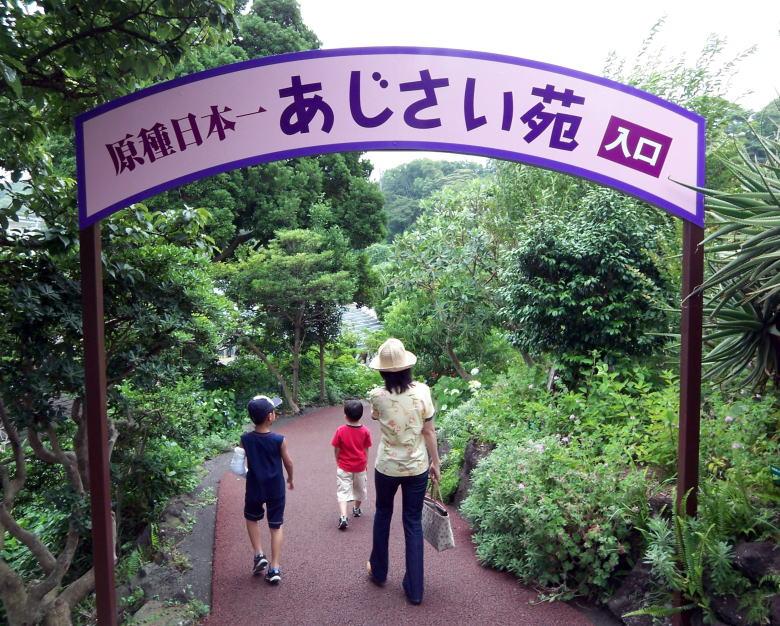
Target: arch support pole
[(690, 380), (97, 423)]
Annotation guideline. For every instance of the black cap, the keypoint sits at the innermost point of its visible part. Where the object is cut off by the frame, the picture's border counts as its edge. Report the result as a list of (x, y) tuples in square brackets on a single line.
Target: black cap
[(260, 406)]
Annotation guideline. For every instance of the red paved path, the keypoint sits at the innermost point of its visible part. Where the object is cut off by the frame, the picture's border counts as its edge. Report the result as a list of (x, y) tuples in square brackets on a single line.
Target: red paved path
[(324, 568)]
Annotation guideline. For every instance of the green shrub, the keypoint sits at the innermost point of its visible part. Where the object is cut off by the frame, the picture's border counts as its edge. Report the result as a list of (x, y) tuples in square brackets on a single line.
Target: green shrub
[(454, 426), (216, 443), (164, 469), (595, 436), (167, 433), (349, 378), (591, 280), (244, 377), (628, 415), (510, 404), (738, 510), (453, 430), (554, 517), (450, 476), (345, 376), (449, 392), (184, 412), (739, 435)]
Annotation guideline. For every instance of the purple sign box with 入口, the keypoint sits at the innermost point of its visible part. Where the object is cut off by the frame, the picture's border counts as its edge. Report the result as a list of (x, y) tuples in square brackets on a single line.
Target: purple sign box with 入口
[(635, 146)]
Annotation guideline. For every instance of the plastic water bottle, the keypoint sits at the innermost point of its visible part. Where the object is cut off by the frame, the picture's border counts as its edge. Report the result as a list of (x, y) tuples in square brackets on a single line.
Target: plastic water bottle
[(237, 465)]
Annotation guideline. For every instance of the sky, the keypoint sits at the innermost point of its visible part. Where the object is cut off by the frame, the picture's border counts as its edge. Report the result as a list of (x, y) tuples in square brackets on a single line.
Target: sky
[(572, 33)]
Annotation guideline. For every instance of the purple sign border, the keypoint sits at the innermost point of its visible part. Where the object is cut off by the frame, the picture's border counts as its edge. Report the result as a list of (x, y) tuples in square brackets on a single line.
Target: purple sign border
[(85, 221)]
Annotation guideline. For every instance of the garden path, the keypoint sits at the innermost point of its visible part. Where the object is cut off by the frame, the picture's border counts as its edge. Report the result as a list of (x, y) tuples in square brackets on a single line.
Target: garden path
[(324, 568)]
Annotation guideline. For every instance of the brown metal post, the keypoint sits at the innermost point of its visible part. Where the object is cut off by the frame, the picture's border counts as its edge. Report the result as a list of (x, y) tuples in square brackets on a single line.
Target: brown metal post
[(97, 423), (690, 379)]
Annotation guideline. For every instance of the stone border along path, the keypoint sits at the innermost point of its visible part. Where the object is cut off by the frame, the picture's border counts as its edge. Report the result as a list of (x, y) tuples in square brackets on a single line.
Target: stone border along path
[(324, 580)]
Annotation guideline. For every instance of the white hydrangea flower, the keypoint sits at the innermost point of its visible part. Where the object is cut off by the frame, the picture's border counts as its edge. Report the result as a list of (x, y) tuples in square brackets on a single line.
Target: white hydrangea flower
[(475, 384), (474, 371)]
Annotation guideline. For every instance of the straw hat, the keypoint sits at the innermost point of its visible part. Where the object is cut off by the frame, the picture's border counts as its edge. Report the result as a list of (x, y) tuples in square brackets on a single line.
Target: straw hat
[(392, 357)]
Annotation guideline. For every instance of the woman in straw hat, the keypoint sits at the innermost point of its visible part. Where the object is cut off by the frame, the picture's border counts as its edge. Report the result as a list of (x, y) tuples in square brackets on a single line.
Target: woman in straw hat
[(407, 454)]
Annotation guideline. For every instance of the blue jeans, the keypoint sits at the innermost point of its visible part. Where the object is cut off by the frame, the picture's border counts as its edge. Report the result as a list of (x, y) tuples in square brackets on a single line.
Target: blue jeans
[(413, 491)]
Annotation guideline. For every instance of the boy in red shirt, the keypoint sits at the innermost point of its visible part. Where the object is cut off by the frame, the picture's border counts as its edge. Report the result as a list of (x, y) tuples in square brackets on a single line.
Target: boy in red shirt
[(351, 443)]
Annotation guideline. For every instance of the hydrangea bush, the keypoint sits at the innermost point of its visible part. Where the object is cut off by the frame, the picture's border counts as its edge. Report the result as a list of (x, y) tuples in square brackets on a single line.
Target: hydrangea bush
[(560, 499), (546, 512)]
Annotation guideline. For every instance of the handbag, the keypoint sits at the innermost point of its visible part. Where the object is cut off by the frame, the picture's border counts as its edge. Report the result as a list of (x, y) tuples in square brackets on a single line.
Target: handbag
[(437, 529)]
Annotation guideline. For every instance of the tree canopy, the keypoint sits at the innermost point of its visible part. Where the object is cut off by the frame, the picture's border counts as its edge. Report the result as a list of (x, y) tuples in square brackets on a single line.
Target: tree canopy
[(255, 202), (443, 276), (406, 185), (591, 282), (288, 291)]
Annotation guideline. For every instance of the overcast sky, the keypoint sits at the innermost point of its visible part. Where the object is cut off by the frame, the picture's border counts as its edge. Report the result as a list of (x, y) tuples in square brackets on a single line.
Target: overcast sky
[(578, 34)]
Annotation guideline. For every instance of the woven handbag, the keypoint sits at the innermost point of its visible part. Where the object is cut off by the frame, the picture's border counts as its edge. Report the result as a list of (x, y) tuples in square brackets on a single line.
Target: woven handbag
[(437, 529)]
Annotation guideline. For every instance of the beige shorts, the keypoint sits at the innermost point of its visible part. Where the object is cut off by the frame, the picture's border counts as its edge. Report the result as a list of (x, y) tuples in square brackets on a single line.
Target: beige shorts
[(351, 485)]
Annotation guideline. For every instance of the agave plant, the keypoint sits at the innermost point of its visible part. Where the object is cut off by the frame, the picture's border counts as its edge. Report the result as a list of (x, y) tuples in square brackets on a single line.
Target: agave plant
[(743, 289)]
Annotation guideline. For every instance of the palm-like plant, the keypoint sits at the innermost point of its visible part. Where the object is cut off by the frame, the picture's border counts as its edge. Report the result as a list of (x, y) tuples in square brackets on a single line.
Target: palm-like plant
[(743, 306)]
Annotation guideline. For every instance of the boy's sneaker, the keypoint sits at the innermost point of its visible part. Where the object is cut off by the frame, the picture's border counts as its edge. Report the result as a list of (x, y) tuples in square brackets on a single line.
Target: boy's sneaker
[(273, 576), (343, 523), (356, 511), (260, 564)]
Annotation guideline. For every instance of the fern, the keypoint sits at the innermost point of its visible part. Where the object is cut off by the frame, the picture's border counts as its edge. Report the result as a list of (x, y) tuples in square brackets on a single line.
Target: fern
[(129, 565), (685, 551)]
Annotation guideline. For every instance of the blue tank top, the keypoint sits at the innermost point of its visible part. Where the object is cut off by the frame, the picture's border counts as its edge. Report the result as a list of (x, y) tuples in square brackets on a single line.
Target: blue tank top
[(264, 479)]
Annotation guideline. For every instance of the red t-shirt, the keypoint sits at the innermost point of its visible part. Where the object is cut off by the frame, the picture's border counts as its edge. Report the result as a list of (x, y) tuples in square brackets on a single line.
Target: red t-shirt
[(352, 442)]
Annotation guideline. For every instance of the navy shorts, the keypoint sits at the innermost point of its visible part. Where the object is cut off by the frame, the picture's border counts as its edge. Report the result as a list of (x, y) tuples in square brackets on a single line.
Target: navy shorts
[(253, 511)]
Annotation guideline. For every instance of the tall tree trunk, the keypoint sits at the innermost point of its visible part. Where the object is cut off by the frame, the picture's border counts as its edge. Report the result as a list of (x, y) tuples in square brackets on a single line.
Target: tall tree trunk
[(551, 377), (288, 397), (456, 362), (296, 364), (529, 362), (323, 399), (58, 615), (13, 595)]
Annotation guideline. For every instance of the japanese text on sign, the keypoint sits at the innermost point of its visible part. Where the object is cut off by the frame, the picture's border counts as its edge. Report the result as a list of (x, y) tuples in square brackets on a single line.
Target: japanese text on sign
[(325, 101)]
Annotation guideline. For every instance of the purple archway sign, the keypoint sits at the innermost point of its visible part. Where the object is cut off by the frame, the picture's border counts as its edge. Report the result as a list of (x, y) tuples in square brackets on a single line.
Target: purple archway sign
[(360, 99)]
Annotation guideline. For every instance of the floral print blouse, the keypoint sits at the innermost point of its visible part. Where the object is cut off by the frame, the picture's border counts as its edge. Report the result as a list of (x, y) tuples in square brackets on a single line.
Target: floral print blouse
[(401, 416)]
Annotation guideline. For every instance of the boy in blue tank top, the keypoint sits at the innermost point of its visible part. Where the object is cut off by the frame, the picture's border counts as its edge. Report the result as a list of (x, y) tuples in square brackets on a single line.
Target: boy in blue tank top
[(266, 452)]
